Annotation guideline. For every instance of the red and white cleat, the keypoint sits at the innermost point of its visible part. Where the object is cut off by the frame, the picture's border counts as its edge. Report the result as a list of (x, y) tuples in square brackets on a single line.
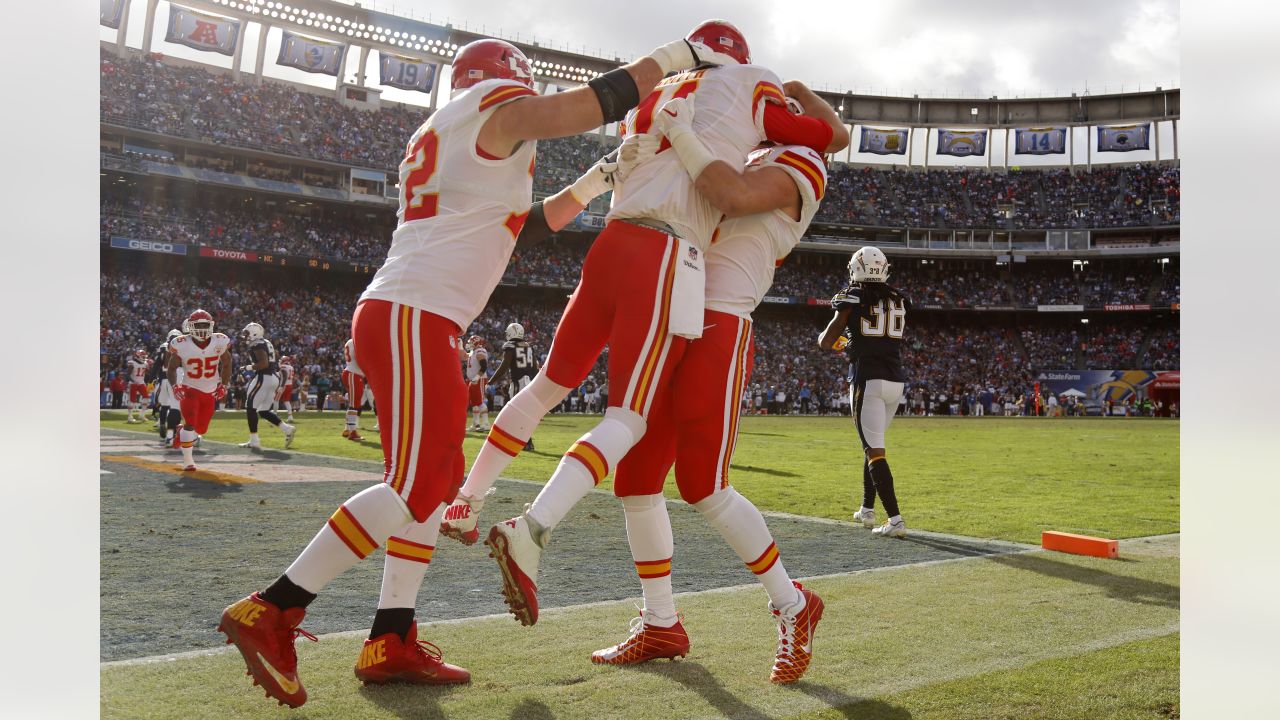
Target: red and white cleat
[(189, 468), (795, 637), (647, 642), (461, 517), (346, 433), (512, 544), (388, 658), (355, 436), (264, 636)]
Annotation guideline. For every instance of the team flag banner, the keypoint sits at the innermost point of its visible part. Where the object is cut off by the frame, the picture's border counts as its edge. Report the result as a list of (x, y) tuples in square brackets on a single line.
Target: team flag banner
[(1124, 138), (883, 141), (310, 54), (202, 31), (962, 143), (1040, 141), (110, 13), (406, 73)]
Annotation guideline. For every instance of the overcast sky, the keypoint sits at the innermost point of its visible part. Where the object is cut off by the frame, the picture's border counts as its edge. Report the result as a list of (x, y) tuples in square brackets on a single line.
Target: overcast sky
[(977, 48)]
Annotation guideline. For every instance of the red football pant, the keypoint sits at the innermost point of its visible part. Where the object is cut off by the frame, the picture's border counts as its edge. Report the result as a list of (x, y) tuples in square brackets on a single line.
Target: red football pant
[(695, 426), (354, 385), (475, 392), (136, 391), (286, 395), (623, 299), (197, 409), (410, 361)]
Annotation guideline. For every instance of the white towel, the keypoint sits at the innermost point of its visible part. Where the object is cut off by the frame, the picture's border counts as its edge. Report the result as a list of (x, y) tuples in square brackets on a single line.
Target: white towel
[(688, 292)]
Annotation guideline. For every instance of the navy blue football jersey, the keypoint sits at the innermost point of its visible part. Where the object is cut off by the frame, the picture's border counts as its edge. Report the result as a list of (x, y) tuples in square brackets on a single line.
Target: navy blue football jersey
[(266, 346), (875, 329), (523, 364)]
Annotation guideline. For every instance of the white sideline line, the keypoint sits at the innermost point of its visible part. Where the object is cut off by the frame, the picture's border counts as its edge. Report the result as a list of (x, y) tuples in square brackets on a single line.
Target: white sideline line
[(560, 610)]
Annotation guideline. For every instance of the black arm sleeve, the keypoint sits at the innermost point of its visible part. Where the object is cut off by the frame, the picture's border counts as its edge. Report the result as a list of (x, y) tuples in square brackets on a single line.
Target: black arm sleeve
[(617, 92), (535, 228)]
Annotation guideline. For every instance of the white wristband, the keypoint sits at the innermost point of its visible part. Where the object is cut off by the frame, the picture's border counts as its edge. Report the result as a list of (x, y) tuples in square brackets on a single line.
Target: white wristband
[(692, 153), (675, 56)]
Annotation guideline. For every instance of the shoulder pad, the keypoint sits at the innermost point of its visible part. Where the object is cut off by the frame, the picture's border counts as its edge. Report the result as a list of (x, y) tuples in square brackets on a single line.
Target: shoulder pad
[(499, 91), (846, 298)]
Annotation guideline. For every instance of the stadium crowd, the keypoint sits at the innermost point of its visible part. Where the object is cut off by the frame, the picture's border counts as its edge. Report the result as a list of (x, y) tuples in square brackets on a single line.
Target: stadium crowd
[(790, 375), (151, 93)]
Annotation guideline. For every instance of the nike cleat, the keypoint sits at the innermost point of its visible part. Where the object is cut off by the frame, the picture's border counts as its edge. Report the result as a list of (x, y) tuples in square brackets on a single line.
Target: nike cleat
[(647, 642), (461, 517), (355, 436), (289, 432), (251, 444), (866, 517), (388, 658), (264, 635), (189, 468), (795, 638), (346, 433), (892, 529), (512, 544)]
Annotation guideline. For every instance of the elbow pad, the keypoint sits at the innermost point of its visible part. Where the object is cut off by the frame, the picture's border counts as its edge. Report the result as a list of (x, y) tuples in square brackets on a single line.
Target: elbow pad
[(617, 92), (535, 228)]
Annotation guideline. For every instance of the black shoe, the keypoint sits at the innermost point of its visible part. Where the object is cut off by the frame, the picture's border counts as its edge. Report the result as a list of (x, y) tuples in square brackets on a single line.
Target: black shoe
[(529, 445)]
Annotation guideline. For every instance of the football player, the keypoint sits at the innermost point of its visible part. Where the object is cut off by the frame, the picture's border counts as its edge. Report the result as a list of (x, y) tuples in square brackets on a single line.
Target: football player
[(874, 317), (263, 389), (640, 294), (518, 361), (477, 379), (170, 412), (353, 382), (287, 374), (694, 427), (466, 190), (204, 356), (139, 366)]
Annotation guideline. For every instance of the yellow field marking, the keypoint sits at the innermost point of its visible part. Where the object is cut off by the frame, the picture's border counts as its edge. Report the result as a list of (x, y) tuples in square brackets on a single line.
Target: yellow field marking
[(209, 475)]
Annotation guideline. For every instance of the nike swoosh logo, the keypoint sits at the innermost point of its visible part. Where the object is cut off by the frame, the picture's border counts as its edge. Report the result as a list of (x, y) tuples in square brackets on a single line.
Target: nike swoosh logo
[(708, 327), (288, 686)]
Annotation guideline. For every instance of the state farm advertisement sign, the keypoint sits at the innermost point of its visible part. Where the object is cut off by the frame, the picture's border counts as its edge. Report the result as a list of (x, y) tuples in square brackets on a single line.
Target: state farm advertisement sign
[(222, 254)]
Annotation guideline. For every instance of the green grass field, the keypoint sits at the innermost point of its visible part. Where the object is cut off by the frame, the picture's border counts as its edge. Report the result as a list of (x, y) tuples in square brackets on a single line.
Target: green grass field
[(1027, 635), (1004, 478)]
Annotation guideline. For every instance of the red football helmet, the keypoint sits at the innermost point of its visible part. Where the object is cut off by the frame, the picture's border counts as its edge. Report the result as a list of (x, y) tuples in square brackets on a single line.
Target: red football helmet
[(139, 354), (487, 59), (475, 341), (722, 36), (287, 360), (201, 324)]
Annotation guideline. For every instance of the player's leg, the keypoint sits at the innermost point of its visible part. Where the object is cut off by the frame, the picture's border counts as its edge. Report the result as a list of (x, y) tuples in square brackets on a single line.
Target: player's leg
[(189, 405), (348, 384), (638, 482), (580, 338), (251, 395), (878, 399), (385, 335), (484, 406)]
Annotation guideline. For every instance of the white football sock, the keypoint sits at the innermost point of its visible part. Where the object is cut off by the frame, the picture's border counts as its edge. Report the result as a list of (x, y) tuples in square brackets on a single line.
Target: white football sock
[(652, 544), (585, 464), (186, 439), (743, 527), (355, 529), (351, 419), (409, 552), (511, 430)]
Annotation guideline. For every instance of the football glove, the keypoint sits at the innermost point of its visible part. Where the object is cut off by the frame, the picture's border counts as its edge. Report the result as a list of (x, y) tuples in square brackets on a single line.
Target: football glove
[(633, 151), (680, 55), (220, 392), (596, 181), (180, 392), (675, 120)]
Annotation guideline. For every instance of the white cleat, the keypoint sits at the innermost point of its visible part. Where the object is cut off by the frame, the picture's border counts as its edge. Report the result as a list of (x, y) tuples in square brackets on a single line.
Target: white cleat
[(289, 432), (252, 445), (461, 518), (512, 544), (866, 517), (892, 529)]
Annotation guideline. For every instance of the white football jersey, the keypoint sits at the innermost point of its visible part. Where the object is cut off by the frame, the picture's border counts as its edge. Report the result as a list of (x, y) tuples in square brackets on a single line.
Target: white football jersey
[(747, 249), (286, 375), (138, 371), (459, 212), (473, 363), (349, 353), (729, 119), (200, 364)]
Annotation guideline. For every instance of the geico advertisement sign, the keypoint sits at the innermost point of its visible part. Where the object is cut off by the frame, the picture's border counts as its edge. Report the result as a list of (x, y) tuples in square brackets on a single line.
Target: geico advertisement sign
[(149, 246)]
